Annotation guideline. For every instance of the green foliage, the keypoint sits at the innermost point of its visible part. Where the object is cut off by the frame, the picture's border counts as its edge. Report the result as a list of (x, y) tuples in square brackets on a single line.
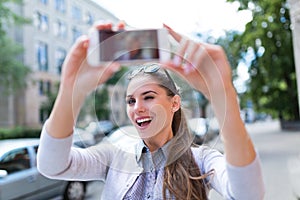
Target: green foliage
[(117, 76), (273, 79), (19, 132), (102, 108), (8, 17), (47, 106), (12, 71), (101, 104)]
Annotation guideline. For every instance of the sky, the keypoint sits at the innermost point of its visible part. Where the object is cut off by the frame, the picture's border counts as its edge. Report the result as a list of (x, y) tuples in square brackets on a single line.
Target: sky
[(188, 16)]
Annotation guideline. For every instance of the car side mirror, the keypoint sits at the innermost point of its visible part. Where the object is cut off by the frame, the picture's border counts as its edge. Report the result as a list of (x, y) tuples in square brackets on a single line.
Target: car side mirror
[(3, 173)]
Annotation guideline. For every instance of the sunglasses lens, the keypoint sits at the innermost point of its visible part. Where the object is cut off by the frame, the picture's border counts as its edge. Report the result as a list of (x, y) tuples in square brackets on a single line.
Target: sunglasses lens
[(134, 73), (151, 68)]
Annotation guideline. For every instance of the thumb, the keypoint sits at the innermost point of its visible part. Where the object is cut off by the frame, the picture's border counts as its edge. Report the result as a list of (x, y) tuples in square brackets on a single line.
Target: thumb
[(174, 34)]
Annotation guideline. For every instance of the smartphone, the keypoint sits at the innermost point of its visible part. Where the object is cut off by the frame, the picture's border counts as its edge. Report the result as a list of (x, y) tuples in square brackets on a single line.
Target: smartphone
[(128, 46)]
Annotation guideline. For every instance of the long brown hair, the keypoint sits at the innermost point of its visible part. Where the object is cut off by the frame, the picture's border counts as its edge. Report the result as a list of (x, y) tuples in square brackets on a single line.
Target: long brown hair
[(182, 176)]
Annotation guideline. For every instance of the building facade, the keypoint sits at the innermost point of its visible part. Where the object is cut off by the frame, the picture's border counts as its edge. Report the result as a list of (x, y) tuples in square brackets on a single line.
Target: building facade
[(56, 24)]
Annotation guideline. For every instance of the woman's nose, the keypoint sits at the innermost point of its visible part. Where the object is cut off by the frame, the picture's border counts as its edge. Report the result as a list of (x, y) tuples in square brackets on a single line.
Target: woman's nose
[(139, 107)]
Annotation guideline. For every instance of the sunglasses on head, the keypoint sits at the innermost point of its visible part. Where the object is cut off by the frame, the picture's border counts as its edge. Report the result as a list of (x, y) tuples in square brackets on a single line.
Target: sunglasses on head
[(151, 68)]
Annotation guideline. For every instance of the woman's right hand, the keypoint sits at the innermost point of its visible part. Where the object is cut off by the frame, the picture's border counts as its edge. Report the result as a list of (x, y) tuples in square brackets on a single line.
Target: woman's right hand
[(78, 80), (77, 74)]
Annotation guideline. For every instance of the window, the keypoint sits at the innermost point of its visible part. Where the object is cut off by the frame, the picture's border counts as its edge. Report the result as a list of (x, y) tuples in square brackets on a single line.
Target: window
[(44, 87), (60, 55), (15, 161), (48, 87), (60, 5), (76, 13), (44, 115), (88, 18), (60, 29), (42, 56), (45, 2), (36, 151), (36, 148), (41, 87), (75, 33), (41, 21)]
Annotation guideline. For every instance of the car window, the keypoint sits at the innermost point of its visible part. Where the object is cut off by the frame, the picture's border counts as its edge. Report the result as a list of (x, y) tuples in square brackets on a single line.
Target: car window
[(16, 160), (35, 150)]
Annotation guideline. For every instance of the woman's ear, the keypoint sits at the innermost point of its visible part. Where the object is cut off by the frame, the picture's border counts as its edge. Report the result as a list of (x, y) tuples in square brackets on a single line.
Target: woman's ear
[(176, 103)]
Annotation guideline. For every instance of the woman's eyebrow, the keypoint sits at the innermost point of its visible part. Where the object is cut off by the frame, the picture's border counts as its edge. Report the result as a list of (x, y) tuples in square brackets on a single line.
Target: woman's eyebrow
[(144, 93), (150, 91)]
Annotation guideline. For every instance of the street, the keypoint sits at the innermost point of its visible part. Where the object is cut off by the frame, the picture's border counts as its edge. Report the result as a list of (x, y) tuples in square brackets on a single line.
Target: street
[(275, 148)]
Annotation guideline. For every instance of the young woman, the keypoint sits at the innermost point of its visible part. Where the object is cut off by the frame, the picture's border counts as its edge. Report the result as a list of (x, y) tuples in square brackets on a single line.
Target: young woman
[(165, 165)]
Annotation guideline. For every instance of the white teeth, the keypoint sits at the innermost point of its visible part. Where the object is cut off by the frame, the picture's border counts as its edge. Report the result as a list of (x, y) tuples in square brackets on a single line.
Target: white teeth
[(143, 120)]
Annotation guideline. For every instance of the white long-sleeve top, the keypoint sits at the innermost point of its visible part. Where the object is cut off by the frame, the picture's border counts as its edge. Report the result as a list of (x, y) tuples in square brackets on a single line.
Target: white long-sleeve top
[(120, 170)]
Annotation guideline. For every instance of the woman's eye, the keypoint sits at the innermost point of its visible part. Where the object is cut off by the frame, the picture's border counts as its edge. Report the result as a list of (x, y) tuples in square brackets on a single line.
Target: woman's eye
[(130, 101), (148, 97)]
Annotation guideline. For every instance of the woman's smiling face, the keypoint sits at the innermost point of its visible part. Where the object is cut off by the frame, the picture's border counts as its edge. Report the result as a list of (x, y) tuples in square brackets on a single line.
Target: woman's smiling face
[(149, 107)]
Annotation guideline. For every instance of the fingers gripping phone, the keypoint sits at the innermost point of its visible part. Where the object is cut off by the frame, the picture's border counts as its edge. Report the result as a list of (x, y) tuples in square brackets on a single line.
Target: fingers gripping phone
[(129, 46)]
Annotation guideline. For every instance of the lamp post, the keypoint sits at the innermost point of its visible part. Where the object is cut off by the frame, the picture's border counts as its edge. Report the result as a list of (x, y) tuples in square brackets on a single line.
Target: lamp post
[(295, 20)]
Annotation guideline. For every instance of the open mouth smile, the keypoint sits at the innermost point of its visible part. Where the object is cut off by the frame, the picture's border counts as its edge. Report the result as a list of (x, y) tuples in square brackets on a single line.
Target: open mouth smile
[(142, 122)]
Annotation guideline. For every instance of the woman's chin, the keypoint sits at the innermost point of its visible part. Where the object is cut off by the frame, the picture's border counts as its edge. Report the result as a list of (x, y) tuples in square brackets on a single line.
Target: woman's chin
[(147, 131)]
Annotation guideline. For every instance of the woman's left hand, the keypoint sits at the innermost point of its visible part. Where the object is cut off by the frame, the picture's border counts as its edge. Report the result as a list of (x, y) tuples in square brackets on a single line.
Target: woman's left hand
[(204, 66)]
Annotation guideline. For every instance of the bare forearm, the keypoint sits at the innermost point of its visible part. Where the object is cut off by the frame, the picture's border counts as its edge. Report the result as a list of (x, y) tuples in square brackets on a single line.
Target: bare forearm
[(239, 149), (64, 114)]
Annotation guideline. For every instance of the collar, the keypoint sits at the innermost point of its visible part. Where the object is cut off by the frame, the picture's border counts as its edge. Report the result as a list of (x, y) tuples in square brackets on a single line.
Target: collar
[(141, 148)]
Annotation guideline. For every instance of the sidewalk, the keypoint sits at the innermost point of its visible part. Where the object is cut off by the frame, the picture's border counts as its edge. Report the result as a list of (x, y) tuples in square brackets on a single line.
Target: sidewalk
[(254, 130), (262, 127), (276, 147)]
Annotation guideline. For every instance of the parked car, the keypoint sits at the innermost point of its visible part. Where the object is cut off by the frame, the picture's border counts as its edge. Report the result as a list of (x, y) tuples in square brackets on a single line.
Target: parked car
[(100, 129), (83, 138), (20, 179), (199, 128), (213, 126), (124, 137)]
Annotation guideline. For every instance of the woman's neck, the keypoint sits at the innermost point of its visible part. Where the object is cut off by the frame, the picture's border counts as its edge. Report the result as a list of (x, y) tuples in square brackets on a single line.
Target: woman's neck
[(158, 140)]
